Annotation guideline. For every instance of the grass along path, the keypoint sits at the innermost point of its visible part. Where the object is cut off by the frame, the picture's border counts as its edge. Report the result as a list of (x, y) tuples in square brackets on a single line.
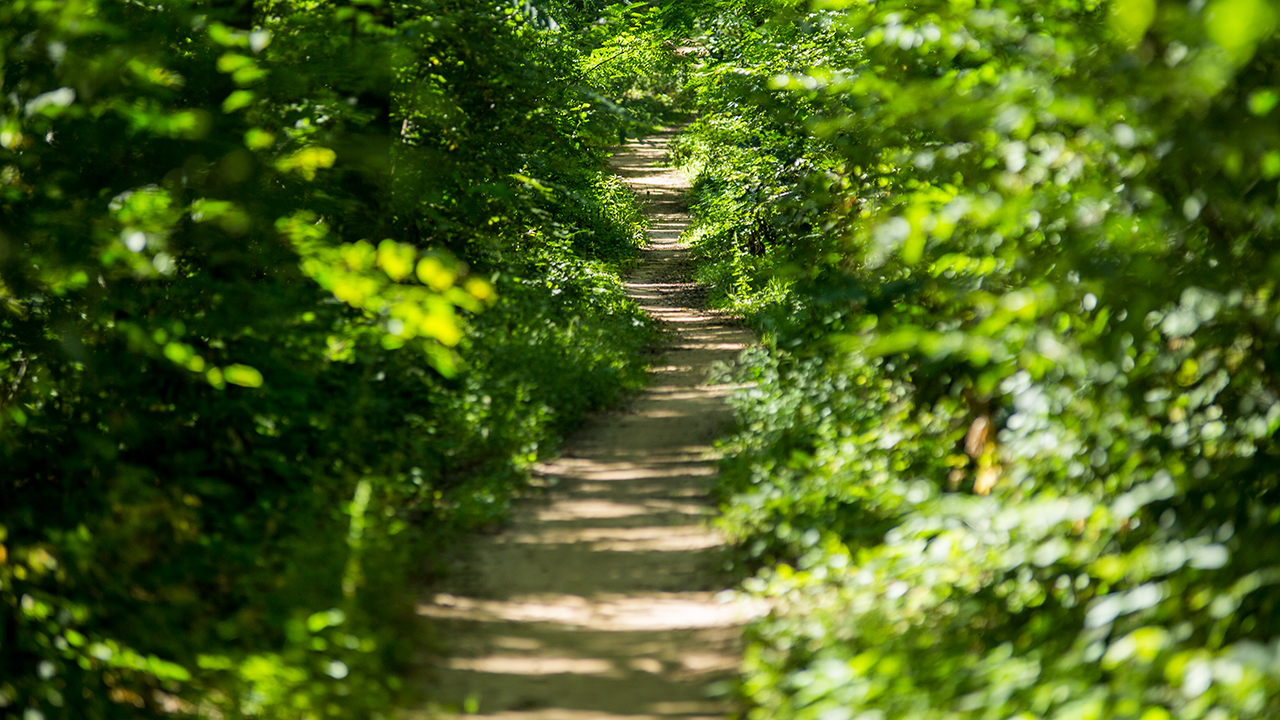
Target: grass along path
[(601, 600)]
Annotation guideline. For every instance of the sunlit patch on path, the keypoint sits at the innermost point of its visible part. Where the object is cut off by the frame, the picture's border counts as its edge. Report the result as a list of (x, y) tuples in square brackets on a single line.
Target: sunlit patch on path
[(602, 600)]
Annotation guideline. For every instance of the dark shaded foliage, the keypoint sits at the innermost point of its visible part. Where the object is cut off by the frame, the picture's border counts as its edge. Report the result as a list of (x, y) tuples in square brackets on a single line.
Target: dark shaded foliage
[(290, 294)]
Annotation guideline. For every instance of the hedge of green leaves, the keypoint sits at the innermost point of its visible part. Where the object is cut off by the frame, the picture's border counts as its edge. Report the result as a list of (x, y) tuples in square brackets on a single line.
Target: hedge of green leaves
[(1011, 449), (290, 294)]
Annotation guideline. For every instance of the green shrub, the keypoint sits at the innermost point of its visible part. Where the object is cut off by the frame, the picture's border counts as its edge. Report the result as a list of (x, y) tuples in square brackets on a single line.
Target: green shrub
[(1010, 452), (236, 420)]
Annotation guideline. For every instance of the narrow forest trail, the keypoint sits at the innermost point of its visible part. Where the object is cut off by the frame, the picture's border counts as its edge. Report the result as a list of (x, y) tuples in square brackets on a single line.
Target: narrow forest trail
[(601, 600)]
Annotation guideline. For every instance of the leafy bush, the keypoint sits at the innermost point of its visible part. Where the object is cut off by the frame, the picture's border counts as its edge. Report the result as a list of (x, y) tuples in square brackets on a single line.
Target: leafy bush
[(1011, 451), (235, 416)]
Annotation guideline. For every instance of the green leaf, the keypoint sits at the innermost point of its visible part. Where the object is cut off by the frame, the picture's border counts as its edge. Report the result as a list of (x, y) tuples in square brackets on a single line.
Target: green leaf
[(242, 375), (236, 100)]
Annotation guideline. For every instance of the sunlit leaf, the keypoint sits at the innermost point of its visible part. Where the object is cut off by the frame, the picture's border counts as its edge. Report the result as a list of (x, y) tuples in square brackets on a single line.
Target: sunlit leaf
[(242, 375)]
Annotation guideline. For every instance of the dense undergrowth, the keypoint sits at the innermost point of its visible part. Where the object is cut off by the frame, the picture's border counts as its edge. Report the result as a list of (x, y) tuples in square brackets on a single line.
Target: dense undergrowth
[(290, 295), (1010, 449)]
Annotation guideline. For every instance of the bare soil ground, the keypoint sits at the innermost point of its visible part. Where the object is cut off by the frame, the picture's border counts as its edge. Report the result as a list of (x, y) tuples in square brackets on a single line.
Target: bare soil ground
[(602, 600)]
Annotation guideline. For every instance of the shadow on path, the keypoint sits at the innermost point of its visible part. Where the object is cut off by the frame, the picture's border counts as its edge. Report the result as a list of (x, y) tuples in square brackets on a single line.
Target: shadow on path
[(601, 600)]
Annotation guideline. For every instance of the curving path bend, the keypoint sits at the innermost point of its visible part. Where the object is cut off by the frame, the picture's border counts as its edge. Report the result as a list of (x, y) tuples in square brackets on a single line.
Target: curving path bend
[(602, 600)]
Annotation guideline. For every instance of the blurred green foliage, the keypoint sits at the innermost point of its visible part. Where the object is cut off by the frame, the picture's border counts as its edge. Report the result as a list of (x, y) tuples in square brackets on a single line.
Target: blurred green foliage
[(1010, 450), (291, 292)]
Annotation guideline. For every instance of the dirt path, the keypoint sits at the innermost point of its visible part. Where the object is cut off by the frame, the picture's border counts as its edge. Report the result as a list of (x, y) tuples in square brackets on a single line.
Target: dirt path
[(600, 601)]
